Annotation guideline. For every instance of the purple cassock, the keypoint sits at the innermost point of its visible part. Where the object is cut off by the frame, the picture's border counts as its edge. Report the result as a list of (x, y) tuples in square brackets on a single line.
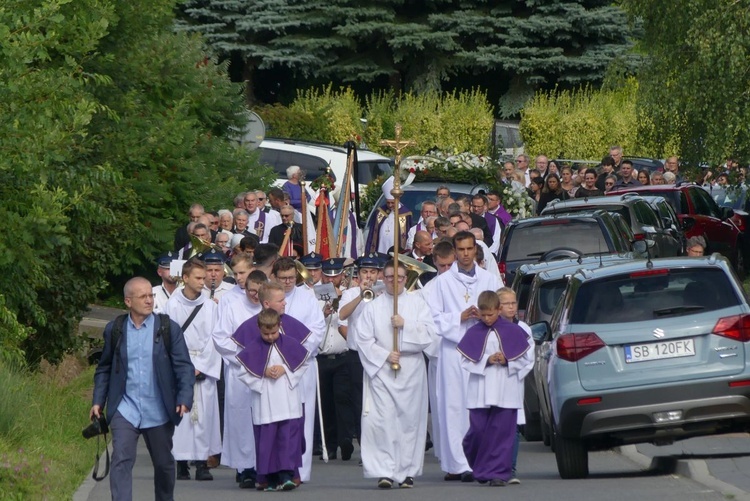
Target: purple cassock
[(513, 340), (290, 326), (502, 214)]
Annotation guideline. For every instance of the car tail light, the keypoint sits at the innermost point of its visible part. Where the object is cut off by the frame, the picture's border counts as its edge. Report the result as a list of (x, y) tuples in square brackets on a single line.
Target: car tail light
[(736, 327), (739, 384), (649, 273), (573, 347), (589, 400), (639, 236), (502, 268)]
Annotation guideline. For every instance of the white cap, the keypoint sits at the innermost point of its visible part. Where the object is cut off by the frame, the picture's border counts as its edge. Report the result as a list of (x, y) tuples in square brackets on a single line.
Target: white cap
[(387, 187)]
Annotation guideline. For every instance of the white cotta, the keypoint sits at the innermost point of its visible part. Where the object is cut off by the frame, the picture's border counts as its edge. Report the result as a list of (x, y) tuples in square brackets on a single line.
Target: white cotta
[(302, 304), (394, 416), (198, 435), (238, 449), (432, 353), (453, 293)]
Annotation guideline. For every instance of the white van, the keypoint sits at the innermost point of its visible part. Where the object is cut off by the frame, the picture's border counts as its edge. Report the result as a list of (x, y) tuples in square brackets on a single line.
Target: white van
[(314, 158)]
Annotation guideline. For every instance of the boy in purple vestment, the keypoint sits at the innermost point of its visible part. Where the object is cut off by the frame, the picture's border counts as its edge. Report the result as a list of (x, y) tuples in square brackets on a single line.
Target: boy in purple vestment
[(274, 366), (497, 355)]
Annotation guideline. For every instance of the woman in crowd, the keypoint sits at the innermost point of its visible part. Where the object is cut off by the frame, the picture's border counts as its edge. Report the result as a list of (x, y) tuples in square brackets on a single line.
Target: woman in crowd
[(552, 191), (535, 190), (609, 183), (567, 181), (643, 177)]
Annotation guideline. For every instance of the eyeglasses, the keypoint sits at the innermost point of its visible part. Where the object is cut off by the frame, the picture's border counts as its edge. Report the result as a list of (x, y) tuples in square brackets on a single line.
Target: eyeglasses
[(401, 278), (143, 297), (609, 184), (286, 279), (287, 215)]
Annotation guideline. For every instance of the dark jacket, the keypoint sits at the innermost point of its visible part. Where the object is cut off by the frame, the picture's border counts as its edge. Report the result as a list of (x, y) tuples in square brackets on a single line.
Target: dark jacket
[(175, 379)]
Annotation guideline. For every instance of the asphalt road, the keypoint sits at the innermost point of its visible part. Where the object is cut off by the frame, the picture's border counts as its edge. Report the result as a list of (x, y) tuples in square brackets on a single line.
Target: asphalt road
[(613, 478)]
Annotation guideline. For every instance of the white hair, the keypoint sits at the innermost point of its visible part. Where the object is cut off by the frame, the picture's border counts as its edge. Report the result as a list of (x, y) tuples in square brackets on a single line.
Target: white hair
[(291, 171)]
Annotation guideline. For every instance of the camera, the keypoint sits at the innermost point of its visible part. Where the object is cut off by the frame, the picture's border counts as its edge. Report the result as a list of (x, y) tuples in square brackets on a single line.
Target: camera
[(97, 427)]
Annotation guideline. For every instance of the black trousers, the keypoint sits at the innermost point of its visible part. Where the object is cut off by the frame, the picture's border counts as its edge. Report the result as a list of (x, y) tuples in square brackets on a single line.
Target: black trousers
[(336, 401), (355, 388)]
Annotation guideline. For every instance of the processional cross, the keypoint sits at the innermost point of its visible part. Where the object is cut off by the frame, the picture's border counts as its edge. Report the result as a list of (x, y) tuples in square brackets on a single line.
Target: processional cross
[(398, 145)]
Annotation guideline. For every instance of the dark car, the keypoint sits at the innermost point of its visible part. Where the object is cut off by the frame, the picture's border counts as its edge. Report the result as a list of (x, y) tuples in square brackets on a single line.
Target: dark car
[(644, 352), (547, 238), (700, 215), (735, 197), (638, 213)]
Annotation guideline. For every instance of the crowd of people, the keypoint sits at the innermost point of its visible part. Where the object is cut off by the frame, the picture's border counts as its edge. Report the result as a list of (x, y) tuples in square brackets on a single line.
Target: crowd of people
[(237, 360), (266, 374)]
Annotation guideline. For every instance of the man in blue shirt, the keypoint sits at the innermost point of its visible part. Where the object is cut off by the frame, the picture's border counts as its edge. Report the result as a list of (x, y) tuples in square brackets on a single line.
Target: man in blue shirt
[(146, 383)]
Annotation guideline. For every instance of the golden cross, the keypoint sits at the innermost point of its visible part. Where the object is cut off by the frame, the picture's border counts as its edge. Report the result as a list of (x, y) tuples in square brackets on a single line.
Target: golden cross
[(398, 144), (467, 296)]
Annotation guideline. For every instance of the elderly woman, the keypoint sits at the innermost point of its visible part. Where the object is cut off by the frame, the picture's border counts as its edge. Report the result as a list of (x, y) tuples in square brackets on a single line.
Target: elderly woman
[(294, 174)]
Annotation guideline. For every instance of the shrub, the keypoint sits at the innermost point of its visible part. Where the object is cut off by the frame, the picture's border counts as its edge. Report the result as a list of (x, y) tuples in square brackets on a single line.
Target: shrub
[(340, 110)]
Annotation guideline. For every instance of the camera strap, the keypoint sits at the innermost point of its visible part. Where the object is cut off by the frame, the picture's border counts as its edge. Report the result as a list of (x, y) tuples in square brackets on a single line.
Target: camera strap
[(95, 473), (191, 317)]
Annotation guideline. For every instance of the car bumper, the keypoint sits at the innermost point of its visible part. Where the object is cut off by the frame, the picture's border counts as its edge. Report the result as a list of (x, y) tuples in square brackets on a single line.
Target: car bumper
[(625, 417)]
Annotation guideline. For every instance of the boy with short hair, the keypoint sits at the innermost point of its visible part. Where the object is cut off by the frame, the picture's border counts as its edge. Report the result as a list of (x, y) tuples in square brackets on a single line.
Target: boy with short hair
[(509, 311), (497, 356), (274, 366)]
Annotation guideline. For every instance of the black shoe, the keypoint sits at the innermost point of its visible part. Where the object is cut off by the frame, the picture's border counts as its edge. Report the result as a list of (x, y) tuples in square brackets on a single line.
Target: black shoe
[(496, 482), (408, 483), (385, 483), (346, 451), (467, 477), (247, 478), (428, 445), (183, 470), (317, 450), (330, 456), (201, 471), (452, 477)]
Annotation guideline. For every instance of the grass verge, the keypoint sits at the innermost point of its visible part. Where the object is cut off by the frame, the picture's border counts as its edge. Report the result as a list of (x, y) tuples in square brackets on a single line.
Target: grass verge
[(42, 452)]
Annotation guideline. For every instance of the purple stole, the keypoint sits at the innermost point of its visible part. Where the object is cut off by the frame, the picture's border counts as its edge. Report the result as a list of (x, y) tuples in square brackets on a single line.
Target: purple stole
[(376, 221), (260, 224), (491, 222), (249, 330), (255, 356), (513, 340), (502, 214)]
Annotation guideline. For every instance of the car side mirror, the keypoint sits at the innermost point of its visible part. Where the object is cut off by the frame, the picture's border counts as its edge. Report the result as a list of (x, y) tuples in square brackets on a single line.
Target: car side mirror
[(541, 332), (666, 222), (687, 223), (726, 212)]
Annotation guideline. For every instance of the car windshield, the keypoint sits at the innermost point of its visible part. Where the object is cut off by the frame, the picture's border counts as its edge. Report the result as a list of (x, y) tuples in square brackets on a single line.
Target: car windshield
[(653, 294), (532, 241), (370, 169)]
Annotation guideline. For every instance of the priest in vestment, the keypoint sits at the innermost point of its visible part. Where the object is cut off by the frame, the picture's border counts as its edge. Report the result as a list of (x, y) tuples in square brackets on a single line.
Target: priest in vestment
[(453, 301), (197, 437), (381, 229), (394, 414)]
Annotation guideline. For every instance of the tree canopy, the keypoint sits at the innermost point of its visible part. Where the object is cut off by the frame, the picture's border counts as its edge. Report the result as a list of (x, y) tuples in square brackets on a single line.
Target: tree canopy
[(111, 125), (422, 45), (695, 86)]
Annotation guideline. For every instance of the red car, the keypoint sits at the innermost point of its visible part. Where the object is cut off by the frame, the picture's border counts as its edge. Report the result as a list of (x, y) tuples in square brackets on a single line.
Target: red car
[(700, 215)]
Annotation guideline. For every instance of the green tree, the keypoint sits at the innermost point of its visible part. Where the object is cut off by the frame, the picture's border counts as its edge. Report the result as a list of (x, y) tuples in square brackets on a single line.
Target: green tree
[(694, 87), (420, 46), (111, 125)]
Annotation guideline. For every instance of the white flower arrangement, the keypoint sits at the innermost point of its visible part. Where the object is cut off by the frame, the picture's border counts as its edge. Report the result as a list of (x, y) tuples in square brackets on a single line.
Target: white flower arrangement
[(516, 201)]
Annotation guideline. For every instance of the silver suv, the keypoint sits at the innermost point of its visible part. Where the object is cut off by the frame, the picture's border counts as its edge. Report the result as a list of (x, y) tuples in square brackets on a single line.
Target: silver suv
[(646, 351)]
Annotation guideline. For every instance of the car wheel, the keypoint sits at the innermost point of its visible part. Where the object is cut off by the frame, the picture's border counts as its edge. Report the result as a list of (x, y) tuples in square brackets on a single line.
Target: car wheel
[(532, 431), (572, 457)]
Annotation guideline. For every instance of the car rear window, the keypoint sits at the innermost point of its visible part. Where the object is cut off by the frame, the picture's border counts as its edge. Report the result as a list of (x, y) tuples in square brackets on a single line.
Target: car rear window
[(529, 241), (653, 294)]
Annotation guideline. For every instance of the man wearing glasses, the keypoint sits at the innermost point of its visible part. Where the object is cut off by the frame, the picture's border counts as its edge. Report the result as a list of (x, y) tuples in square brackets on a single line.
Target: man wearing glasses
[(522, 164), (290, 246), (394, 417), (146, 383)]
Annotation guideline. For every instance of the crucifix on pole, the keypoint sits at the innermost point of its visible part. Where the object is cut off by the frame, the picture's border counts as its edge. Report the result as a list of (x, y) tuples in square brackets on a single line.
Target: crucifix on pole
[(398, 145)]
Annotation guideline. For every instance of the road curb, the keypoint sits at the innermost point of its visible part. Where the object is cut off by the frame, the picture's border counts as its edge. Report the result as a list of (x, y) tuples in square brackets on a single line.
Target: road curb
[(694, 469)]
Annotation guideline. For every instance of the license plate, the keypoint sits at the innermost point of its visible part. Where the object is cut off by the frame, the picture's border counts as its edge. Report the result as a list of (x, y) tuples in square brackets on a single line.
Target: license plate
[(660, 350)]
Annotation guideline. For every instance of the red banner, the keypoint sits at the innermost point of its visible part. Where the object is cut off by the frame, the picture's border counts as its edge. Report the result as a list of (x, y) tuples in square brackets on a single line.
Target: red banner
[(324, 233)]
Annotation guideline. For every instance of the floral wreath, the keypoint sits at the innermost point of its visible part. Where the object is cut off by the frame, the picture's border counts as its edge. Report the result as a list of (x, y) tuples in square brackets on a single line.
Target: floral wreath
[(324, 182)]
